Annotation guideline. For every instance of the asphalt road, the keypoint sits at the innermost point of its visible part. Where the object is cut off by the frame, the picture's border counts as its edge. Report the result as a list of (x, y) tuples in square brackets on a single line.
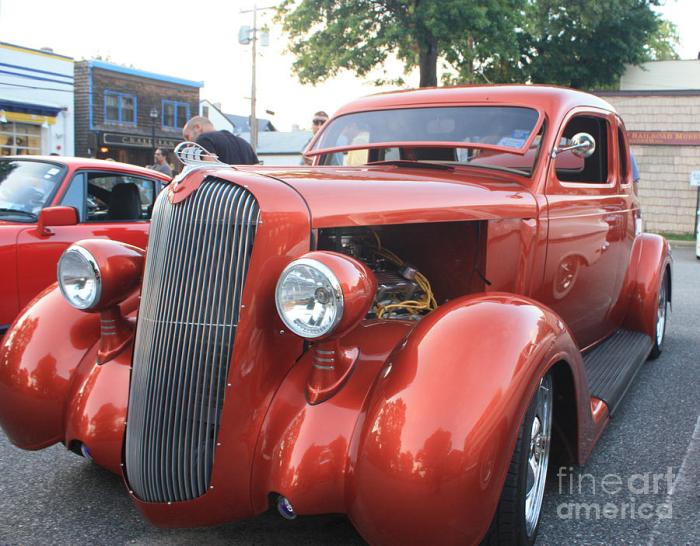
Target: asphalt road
[(640, 486)]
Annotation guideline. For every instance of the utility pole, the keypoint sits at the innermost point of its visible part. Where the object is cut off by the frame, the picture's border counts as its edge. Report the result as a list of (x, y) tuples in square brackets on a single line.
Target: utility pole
[(254, 49)]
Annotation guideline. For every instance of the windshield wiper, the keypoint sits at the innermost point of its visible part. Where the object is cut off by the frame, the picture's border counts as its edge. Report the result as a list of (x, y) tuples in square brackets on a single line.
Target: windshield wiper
[(18, 211), (414, 164)]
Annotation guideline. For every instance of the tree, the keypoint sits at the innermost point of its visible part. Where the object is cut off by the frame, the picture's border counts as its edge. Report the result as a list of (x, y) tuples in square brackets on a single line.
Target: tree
[(358, 35), (577, 43), (580, 43)]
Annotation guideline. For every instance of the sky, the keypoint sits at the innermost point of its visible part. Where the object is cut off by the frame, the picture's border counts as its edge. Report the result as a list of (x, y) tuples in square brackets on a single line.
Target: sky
[(199, 41)]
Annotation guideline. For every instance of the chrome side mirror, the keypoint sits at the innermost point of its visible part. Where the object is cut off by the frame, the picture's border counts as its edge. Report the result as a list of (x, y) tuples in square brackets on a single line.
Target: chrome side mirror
[(582, 145)]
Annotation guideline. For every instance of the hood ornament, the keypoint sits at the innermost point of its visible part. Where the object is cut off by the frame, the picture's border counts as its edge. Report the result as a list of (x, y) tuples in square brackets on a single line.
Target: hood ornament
[(192, 154)]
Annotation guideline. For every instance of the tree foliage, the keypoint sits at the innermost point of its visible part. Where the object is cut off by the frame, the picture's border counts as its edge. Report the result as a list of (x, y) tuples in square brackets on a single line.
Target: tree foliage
[(582, 43), (327, 36), (578, 43)]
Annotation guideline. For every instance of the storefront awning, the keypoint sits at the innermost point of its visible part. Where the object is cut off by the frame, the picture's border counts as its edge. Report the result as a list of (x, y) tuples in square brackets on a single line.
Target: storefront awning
[(26, 112), (29, 108)]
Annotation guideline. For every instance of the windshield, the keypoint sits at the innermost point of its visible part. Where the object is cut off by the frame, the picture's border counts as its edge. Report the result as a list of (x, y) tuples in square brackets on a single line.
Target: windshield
[(26, 187), (488, 136)]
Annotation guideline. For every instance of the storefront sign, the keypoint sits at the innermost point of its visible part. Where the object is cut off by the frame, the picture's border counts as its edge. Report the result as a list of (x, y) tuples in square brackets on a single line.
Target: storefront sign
[(665, 138), (137, 141)]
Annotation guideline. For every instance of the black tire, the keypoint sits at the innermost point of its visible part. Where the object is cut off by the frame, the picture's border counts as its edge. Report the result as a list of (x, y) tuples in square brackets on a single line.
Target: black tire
[(510, 524), (661, 312)]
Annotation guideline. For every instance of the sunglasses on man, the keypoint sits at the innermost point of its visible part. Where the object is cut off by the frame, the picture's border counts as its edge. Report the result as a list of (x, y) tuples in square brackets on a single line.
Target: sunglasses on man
[(319, 121)]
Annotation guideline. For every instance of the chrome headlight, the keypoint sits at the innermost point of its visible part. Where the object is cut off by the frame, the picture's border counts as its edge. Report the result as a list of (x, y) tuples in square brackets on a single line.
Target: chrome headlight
[(79, 278), (309, 298)]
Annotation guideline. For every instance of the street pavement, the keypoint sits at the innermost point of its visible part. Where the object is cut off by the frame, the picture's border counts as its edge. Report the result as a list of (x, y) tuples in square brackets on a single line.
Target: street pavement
[(640, 486)]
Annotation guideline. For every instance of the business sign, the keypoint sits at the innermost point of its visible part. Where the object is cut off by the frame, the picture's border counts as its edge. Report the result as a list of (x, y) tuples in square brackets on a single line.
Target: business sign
[(695, 178), (137, 141), (665, 138)]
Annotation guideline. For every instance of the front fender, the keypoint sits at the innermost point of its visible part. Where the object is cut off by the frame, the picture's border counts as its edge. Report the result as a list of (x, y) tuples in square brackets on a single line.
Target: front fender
[(442, 421), (49, 375), (38, 357)]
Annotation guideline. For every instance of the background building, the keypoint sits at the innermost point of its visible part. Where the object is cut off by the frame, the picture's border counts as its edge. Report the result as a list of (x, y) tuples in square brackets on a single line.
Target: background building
[(36, 101), (281, 147), (120, 109), (660, 104), (230, 122)]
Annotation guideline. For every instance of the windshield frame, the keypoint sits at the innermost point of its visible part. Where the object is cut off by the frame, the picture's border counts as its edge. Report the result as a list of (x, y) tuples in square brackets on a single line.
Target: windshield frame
[(51, 196), (311, 151)]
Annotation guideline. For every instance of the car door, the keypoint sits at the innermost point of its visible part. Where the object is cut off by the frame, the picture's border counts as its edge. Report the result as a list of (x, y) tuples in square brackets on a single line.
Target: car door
[(588, 223), (111, 205), (26, 186)]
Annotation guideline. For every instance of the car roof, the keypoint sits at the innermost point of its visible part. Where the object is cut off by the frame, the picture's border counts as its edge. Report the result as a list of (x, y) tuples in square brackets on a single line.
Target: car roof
[(551, 99), (89, 163)]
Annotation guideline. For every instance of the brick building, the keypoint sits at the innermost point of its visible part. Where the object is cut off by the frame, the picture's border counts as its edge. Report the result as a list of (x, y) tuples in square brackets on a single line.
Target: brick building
[(660, 104), (119, 109)]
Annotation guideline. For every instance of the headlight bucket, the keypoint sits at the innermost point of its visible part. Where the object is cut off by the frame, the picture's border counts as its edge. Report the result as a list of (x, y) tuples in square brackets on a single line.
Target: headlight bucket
[(323, 295), (97, 274)]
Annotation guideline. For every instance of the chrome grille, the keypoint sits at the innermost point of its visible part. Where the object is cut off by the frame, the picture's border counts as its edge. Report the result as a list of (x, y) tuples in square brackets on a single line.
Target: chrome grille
[(198, 255)]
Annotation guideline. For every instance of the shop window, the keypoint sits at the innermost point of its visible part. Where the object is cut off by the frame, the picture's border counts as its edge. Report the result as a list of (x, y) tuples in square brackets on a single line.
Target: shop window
[(120, 107), (113, 197), (175, 114), (20, 139)]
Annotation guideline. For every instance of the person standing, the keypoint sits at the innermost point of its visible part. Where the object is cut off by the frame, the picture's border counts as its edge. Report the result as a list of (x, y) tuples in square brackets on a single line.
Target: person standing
[(227, 147), (319, 119), (160, 164)]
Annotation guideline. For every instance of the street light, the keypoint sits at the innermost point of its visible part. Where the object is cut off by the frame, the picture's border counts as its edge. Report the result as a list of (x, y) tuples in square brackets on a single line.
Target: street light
[(154, 116)]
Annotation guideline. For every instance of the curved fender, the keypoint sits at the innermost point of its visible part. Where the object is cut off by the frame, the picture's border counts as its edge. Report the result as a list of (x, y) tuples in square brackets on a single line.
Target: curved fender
[(42, 355), (651, 255), (428, 461)]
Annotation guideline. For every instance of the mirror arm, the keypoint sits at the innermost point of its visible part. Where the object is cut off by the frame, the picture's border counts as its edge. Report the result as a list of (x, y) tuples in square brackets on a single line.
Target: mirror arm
[(43, 230), (557, 151)]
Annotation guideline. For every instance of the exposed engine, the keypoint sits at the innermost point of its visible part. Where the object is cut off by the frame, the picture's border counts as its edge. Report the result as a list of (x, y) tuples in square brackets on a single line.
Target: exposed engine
[(403, 292)]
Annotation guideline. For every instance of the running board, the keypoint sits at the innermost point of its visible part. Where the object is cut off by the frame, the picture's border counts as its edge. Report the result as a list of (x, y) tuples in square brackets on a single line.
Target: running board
[(612, 365)]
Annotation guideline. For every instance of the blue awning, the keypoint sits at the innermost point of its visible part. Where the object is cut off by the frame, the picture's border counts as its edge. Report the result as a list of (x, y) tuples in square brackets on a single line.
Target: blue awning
[(29, 108)]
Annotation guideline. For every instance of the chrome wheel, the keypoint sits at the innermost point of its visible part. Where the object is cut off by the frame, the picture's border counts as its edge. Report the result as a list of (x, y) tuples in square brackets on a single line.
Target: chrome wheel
[(661, 314), (538, 454)]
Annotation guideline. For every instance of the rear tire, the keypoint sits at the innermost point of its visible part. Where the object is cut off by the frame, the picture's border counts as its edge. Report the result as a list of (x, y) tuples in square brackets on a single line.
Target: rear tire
[(518, 513), (661, 319)]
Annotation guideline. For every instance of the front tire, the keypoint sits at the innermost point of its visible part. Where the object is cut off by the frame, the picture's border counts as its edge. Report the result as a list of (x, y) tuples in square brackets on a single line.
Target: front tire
[(517, 516)]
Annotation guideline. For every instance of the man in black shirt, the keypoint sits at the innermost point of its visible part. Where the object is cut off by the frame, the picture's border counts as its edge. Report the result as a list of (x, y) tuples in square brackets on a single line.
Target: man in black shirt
[(228, 148)]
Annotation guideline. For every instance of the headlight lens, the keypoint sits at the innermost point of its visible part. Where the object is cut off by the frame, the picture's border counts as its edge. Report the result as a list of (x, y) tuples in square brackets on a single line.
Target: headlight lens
[(79, 278), (309, 298)]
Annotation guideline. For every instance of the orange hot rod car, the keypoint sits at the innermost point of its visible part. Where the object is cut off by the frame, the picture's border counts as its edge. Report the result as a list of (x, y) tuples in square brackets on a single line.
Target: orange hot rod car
[(405, 331)]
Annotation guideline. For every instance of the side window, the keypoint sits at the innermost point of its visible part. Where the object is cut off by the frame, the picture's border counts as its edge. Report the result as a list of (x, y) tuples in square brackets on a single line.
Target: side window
[(75, 196), (593, 169), (624, 157), (116, 197)]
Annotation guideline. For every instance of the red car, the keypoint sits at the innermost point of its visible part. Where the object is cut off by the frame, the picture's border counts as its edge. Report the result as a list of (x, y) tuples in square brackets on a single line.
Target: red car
[(47, 203), (403, 332)]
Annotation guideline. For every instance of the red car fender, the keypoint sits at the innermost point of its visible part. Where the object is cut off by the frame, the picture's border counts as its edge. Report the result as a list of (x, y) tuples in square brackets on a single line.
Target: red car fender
[(40, 357), (430, 455), (96, 408), (651, 258)]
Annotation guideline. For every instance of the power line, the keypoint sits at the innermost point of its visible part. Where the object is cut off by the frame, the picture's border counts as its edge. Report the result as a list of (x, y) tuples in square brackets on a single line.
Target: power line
[(3, 84)]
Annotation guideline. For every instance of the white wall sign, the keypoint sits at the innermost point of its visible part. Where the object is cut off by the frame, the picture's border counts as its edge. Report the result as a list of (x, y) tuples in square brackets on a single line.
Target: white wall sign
[(695, 178)]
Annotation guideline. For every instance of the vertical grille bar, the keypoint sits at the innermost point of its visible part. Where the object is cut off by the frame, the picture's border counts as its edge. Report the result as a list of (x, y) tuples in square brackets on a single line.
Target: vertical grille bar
[(198, 256)]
